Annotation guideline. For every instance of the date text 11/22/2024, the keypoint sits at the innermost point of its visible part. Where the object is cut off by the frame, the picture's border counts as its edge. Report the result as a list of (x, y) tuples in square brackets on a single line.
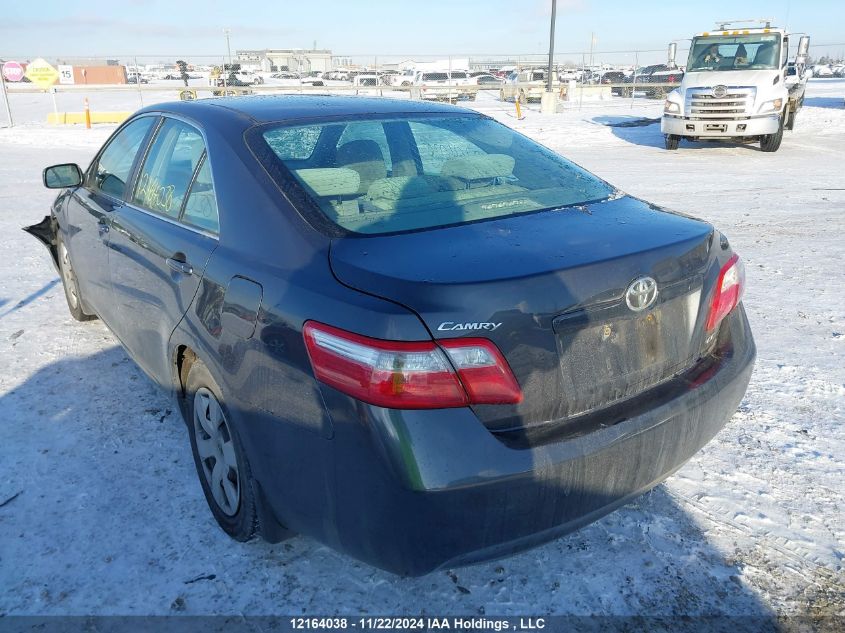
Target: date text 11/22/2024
[(418, 623)]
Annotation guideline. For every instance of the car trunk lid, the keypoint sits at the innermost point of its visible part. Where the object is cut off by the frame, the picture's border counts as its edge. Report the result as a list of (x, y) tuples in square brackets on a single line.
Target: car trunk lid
[(549, 290)]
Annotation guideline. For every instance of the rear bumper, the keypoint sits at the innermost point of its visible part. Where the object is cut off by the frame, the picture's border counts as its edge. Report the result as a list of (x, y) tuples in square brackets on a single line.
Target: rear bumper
[(756, 126), (414, 491)]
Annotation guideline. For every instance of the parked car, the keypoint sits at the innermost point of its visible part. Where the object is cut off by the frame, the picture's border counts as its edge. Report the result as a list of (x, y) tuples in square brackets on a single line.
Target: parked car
[(612, 77), (134, 78), (665, 76), (526, 85), (485, 80), (398, 327), (404, 79), (367, 85), (444, 86)]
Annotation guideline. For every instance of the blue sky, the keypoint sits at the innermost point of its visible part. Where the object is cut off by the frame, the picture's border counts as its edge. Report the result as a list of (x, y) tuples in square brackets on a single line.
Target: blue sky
[(438, 27)]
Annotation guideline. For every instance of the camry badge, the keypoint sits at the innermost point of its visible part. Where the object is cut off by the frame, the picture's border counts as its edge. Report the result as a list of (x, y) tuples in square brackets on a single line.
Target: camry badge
[(452, 326), (641, 293)]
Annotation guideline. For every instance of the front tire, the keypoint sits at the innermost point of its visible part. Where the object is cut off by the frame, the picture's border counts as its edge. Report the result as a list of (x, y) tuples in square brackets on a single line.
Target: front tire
[(790, 120), (222, 465), (672, 141), (771, 142), (73, 296)]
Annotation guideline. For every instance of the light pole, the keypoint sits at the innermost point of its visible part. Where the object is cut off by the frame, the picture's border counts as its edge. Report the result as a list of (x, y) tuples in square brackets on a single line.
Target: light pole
[(551, 47), (228, 48)]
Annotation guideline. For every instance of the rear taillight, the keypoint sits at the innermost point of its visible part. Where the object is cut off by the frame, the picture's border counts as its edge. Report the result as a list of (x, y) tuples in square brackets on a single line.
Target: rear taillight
[(729, 289), (403, 375)]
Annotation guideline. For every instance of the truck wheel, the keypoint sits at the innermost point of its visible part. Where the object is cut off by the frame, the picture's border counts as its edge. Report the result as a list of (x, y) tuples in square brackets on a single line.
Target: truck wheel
[(771, 142), (672, 141), (221, 463), (522, 98), (790, 120), (658, 93), (71, 286), (627, 92), (502, 95)]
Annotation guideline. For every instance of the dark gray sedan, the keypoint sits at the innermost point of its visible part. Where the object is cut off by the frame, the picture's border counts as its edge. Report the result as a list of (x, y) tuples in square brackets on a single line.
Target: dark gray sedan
[(398, 327)]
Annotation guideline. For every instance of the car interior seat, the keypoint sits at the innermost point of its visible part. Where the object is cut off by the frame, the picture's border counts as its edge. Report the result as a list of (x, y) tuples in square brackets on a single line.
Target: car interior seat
[(365, 157)]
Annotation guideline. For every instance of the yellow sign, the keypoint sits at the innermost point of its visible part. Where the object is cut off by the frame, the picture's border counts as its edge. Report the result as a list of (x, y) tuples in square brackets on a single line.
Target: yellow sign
[(41, 73)]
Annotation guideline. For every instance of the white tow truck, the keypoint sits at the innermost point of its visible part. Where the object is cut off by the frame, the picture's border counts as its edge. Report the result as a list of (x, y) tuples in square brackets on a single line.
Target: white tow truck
[(736, 87)]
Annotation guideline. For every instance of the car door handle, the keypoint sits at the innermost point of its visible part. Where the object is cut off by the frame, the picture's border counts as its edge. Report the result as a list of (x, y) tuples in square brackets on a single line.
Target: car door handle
[(177, 262)]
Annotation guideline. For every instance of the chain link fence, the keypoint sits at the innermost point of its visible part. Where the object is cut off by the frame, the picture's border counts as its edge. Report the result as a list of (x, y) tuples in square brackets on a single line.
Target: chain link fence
[(134, 81)]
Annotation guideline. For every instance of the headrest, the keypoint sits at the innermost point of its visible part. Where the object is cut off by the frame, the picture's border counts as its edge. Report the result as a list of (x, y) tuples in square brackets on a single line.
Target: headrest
[(361, 151)]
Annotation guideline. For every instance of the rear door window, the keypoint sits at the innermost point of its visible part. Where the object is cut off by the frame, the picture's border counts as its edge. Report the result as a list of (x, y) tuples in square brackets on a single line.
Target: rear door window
[(169, 168), (114, 166)]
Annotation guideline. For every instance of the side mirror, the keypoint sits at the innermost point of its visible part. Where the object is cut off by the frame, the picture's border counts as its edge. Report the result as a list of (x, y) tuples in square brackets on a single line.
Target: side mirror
[(803, 50), (62, 176), (673, 53)]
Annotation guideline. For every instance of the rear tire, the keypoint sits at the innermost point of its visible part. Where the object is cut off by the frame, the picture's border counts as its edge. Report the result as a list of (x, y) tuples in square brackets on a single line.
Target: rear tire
[(627, 92), (522, 98), (73, 296), (771, 142), (672, 141), (222, 465)]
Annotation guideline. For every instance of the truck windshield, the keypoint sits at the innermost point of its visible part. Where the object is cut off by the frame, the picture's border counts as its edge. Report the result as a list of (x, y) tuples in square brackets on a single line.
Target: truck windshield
[(408, 173), (755, 51)]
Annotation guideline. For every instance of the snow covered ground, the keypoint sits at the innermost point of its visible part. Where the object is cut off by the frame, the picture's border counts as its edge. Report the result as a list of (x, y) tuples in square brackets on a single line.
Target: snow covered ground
[(101, 511)]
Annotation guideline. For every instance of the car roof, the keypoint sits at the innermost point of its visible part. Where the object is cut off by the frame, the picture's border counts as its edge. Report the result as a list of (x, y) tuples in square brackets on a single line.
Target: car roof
[(268, 108)]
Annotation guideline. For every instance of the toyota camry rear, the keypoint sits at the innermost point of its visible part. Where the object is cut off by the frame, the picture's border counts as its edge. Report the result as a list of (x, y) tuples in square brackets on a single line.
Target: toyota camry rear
[(411, 332)]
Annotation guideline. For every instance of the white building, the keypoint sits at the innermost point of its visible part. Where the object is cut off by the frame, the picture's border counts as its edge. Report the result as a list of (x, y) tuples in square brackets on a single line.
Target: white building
[(293, 60)]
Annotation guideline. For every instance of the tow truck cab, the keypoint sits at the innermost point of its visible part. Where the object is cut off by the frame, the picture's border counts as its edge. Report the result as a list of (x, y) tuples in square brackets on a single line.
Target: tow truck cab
[(736, 88)]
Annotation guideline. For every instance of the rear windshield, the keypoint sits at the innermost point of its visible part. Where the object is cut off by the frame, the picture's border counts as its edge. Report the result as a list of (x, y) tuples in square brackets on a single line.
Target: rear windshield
[(392, 175)]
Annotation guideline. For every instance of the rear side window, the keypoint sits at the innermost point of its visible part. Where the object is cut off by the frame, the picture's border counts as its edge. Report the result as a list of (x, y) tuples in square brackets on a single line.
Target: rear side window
[(169, 168), (435, 77), (447, 170), (201, 204), (115, 163)]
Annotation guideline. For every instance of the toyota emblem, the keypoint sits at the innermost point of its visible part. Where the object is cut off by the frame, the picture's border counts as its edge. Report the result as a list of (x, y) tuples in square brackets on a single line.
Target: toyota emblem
[(720, 92), (641, 294)]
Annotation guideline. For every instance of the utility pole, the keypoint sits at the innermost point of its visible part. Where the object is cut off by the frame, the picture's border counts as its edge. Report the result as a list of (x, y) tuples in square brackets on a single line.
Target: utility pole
[(6, 100), (228, 48), (551, 47)]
